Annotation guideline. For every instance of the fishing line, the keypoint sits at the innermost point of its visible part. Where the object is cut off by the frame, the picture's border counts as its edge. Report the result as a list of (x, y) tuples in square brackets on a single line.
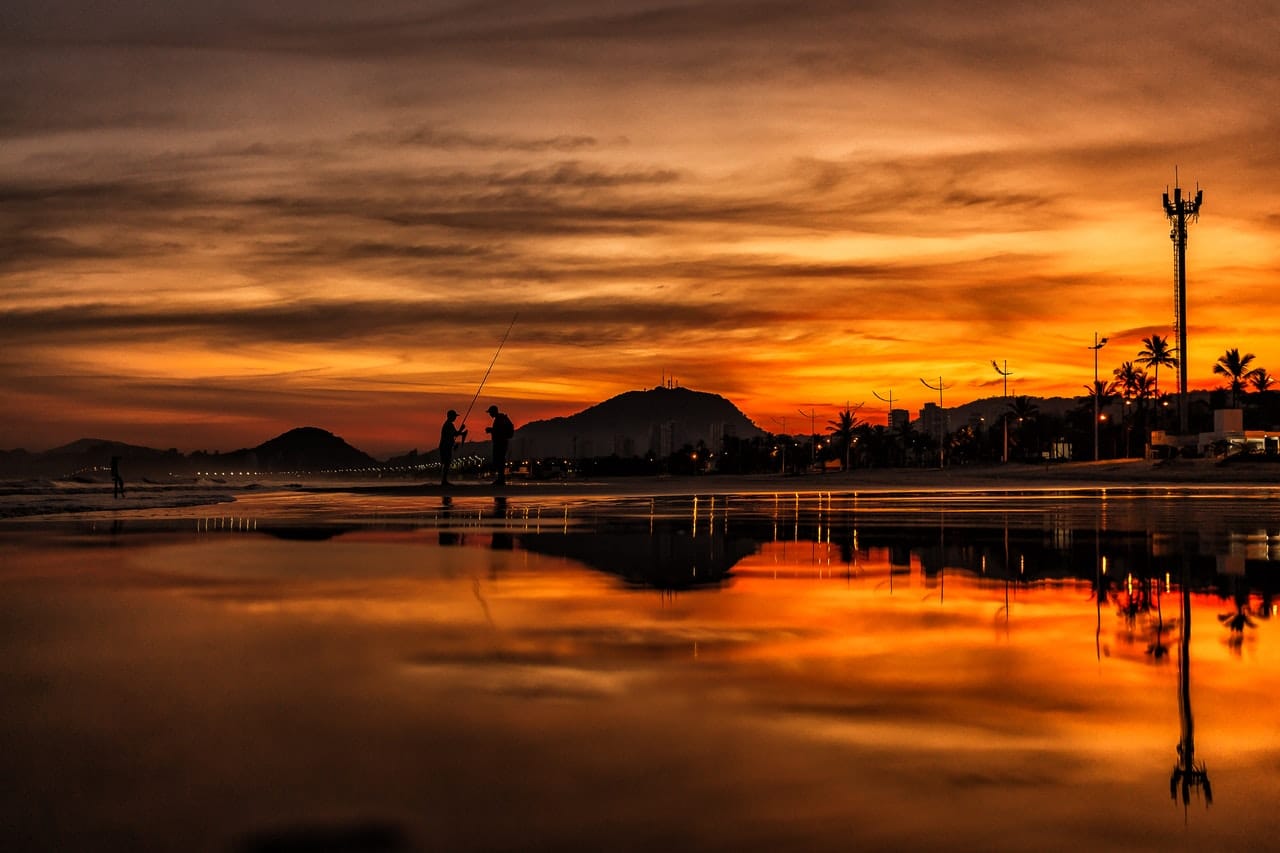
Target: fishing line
[(492, 362)]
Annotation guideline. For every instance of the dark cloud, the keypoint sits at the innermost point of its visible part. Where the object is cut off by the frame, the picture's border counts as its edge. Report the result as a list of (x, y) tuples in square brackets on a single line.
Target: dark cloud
[(863, 182), (452, 140), (350, 321)]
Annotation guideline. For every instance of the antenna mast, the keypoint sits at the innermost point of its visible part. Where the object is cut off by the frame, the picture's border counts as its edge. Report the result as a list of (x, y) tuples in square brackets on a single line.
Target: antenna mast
[(1179, 211)]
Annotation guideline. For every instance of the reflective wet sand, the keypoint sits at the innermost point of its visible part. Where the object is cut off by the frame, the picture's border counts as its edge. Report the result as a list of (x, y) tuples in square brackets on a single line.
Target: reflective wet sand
[(807, 672)]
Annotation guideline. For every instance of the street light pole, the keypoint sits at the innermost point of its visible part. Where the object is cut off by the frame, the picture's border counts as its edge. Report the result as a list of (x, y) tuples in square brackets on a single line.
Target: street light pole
[(813, 435), (1005, 373), (942, 432), (1098, 343)]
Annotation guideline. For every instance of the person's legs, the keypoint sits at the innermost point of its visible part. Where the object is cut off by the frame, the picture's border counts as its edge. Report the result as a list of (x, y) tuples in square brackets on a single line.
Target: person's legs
[(500, 464)]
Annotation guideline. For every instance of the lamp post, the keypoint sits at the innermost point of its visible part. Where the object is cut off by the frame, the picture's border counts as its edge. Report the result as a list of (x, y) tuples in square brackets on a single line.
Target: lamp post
[(1005, 373), (782, 442), (1098, 343), (942, 431), (813, 431)]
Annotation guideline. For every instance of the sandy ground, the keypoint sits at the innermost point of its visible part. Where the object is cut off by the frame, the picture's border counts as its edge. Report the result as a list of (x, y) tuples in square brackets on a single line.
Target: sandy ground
[(1134, 473), (49, 498)]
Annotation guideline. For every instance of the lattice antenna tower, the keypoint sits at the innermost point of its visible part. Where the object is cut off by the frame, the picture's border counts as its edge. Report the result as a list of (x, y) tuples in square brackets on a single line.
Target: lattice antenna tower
[(1180, 211)]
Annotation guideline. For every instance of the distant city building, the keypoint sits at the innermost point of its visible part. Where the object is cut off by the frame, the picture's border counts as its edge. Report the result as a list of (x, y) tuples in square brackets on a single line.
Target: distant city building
[(933, 420), (624, 446), (715, 437), (664, 438), (899, 419)]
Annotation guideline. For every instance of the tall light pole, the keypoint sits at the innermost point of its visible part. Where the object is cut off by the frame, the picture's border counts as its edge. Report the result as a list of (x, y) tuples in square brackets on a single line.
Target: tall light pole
[(783, 442), (888, 422), (1006, 373), (813, 431), (942, 433), (1098, 343), (1178, 211)]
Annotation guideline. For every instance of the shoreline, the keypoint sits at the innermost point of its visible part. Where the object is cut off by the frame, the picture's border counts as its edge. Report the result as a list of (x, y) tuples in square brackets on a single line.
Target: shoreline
[(49, 499), (1129, 473)]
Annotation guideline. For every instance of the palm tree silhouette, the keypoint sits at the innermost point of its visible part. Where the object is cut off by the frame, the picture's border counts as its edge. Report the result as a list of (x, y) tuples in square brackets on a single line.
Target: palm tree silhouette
[(1023, 411), (1105, 391), (843, 431), (1135, 384), (1156, 352), (1235, 367), (1261, 380)]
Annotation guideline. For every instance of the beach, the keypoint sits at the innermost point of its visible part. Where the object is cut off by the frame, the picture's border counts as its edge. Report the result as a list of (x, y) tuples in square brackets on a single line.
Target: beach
[(917, 665), (53, 497)]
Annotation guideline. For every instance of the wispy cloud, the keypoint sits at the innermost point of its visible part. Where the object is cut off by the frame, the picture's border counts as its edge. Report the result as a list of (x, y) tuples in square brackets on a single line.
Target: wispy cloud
[(777, 198)]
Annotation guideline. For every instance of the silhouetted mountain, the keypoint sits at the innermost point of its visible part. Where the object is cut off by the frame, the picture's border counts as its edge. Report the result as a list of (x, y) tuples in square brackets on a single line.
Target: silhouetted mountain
[(302, 449), (305, 449), (658, 420), (87, 458), (991, 408)]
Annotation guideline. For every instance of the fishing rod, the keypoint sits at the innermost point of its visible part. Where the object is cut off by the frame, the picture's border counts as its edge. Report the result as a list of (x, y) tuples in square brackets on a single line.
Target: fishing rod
[(492, 362)]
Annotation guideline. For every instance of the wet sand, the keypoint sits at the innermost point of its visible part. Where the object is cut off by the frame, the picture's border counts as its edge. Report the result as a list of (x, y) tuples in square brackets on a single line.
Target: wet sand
[(18, 500), (1134, 473), (406, 675)]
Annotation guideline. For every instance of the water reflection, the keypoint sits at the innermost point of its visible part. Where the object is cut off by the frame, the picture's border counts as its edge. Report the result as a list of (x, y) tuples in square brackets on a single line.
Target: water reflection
[(818, 672), (1127, 549), (1188, 774)]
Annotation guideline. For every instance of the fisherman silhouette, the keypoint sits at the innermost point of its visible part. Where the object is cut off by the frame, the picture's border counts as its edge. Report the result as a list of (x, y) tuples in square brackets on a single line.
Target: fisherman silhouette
[(501, 432), (117, 482), (449, 435)]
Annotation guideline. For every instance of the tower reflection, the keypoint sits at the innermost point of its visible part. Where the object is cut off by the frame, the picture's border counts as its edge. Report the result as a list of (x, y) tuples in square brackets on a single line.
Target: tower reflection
[(1188, 775)]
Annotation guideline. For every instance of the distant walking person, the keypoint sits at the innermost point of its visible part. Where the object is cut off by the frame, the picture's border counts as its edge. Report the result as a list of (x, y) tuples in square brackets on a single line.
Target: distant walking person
[(117, 482), (449, 435), (501, 432)]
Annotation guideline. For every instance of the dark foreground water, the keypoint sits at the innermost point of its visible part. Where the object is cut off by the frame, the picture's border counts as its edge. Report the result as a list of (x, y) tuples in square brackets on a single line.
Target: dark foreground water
[(1070, 671)]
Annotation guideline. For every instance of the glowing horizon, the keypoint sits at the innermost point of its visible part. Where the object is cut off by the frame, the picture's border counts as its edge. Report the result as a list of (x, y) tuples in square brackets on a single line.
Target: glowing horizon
[(221, 225)]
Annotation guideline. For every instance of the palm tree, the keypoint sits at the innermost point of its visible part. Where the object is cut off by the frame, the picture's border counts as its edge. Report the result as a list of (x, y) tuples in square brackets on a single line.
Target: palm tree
[(1154, 353), (1128, 378), (843, 431), (1023, 411), (1235, 367), (1134, 384), (1100, 395), (1261, 380), (1102, 389)]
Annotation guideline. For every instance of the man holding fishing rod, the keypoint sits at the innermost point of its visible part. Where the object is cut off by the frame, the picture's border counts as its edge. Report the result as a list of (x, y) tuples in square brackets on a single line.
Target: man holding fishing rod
[(500, 433), (449, 435)]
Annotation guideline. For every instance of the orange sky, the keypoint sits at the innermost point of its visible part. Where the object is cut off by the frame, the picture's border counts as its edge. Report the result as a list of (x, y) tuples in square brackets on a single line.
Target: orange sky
[(220, 223)]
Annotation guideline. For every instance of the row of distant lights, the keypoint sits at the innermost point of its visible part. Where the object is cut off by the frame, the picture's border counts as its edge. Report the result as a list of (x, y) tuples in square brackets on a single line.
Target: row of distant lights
[(460, 462)]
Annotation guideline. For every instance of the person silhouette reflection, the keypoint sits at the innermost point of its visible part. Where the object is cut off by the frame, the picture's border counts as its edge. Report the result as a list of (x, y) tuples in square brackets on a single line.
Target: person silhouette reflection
[(501, 540), (446, 536)]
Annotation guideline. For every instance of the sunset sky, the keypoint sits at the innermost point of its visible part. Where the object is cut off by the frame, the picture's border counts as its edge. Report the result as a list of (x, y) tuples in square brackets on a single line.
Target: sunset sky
[(223, 220)]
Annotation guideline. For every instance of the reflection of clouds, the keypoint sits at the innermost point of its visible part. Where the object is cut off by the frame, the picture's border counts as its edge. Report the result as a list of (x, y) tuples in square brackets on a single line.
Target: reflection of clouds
[(527, 681), (812, 701)]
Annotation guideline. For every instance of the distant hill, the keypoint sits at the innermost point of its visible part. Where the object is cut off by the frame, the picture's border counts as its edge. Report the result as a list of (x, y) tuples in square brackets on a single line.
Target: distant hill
[(634, 423), (991, 408), (302, 449), (83, 456)]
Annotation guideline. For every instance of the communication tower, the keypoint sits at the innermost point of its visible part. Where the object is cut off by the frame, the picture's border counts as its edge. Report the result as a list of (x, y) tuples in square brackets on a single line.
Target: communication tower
[(1179, 211)]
